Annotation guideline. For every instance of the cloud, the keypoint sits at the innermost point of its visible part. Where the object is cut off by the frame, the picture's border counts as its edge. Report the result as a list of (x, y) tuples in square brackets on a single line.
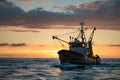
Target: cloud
[(99, 10), (112, 45), (86, 6), (41, 45), (104, 14), (13, 44), (20, 45), (44, 2), (24, 0), (3, 44), (10, 14), (4, 3), (17, 44), (117, 45), (34, 31)]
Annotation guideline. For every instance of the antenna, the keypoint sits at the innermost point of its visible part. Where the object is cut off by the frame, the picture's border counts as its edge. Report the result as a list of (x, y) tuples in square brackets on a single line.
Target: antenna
[(82, 24)]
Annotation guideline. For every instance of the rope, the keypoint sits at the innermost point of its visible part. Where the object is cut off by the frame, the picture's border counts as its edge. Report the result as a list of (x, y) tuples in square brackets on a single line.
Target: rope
[(67, 33), (56, 45), (98, 50), (61, 44)]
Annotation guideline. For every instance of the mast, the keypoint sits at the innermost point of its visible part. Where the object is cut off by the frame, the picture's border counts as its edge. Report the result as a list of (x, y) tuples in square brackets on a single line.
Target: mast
[(82, 33)]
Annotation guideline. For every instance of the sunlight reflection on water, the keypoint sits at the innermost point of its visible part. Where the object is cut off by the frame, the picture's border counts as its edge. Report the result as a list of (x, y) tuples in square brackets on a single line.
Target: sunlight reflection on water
[(48, 69)]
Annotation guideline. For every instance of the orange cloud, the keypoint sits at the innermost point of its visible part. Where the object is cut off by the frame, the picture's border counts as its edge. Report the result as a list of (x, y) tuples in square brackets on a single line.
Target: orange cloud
[(24, 0), (90, 6), (45, 2)]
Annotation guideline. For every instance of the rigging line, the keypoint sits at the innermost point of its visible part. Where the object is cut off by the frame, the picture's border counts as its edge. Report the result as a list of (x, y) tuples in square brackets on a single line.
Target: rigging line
[(79, 35), (67, 33), (55, 45), (99, 50), (61, 43)]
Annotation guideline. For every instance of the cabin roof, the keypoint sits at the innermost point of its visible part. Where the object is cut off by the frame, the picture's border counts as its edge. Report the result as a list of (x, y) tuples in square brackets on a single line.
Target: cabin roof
[(77, 42)]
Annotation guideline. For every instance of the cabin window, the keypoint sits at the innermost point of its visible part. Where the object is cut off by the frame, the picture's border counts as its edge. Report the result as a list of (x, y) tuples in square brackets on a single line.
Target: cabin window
[(75, 45), (83, 45), (78, 45)]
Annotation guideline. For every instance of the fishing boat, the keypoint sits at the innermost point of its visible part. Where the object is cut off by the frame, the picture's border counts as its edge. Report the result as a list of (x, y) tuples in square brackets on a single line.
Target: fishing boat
[(80, 50)]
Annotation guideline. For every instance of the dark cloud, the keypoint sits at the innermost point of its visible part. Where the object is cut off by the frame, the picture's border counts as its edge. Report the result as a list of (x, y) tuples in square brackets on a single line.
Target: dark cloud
[(17, 44), (24, 0), (42, 45), (112, 45), (3, 44), (100, 12), (117, 45), (10, 14), (13, 44), (104, 14), (5, 4), (35, 31)]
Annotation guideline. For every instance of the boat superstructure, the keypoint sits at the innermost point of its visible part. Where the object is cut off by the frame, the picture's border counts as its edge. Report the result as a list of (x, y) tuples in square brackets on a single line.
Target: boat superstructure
[(80, 50)]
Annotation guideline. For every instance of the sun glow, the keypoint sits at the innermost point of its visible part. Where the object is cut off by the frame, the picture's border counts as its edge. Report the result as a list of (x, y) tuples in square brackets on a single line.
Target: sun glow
[(107, 51), (42, 46)]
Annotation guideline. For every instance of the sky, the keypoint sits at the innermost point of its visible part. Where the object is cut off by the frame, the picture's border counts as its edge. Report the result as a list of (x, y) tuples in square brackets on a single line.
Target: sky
[(27, 26)]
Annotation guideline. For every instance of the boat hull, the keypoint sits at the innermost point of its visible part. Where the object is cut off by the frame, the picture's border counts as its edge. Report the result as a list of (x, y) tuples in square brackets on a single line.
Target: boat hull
[(72, 57)]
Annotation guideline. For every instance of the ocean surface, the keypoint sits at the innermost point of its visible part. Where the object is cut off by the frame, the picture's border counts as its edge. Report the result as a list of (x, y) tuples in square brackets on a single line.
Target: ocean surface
[(49, 69)]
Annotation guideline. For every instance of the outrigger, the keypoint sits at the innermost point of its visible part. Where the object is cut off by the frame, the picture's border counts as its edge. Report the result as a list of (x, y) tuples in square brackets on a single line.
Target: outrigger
[(80, 51)]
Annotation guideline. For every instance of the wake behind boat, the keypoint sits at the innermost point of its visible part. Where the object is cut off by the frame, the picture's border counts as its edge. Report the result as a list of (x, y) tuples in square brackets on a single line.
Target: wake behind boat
[(80, 50)]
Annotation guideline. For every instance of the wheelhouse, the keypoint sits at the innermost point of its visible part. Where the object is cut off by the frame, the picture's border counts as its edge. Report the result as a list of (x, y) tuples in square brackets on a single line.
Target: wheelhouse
[(80, 44)]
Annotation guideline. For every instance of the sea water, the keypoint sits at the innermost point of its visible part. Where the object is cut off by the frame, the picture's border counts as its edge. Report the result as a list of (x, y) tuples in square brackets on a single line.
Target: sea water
[(49, 69)]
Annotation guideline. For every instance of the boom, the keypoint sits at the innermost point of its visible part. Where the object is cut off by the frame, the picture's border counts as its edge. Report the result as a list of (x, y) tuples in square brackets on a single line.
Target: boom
[(90, 42), (92, 34), (55, 37)]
